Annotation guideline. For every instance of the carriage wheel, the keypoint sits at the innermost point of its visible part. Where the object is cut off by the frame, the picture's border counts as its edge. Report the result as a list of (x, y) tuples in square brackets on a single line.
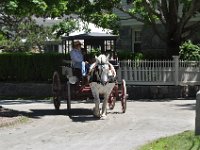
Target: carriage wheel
[(68, 98), (123, 96), (113, 97), (111, 101), (56, 90)]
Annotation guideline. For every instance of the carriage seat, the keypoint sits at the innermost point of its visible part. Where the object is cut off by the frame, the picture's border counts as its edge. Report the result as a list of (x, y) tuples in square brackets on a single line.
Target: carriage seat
[(67, 71), (70, 73)]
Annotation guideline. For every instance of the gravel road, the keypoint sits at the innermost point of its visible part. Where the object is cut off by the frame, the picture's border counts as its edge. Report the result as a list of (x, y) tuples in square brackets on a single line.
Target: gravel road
[(49, 129)]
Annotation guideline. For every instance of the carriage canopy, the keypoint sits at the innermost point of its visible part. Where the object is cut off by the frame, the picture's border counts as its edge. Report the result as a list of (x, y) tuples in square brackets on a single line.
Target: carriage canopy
[(105, 43)]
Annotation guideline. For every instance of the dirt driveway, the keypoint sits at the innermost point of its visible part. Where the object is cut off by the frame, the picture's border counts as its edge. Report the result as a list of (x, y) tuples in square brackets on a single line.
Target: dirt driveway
[(50, 130)]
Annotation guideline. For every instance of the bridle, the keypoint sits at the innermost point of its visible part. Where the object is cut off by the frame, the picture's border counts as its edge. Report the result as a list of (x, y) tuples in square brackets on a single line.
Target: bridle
[(102, 72), (99, 70)]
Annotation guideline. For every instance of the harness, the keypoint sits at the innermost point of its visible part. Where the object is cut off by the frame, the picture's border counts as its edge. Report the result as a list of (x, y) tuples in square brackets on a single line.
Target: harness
[(97, 73)]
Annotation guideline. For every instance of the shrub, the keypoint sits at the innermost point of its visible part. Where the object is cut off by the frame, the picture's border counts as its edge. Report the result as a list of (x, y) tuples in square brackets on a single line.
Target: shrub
[(94, 52), (189, 51), (126, 55), (28, 67)]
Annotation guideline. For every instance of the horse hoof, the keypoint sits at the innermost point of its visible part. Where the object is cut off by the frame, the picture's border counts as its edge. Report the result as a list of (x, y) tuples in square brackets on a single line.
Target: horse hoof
[(103, 116), (96, 113), (95, 116)]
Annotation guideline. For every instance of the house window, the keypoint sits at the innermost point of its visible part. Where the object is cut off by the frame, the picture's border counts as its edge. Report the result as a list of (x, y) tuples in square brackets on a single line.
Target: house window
[(137, 36), (137, 41), (55, 48)]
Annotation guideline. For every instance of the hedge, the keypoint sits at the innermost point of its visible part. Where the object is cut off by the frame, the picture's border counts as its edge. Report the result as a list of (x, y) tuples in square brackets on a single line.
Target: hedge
[(28, 67)]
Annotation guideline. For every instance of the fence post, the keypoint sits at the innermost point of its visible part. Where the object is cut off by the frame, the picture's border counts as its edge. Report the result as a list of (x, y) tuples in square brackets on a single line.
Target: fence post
[(197, 118), (176, 69)]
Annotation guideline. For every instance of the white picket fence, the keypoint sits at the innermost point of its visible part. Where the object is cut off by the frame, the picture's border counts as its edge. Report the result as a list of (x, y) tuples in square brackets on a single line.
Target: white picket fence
[(156, 72)]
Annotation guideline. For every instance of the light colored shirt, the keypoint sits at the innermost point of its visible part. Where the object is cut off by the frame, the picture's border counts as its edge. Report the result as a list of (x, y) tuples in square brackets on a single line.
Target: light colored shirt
[(77, 58)]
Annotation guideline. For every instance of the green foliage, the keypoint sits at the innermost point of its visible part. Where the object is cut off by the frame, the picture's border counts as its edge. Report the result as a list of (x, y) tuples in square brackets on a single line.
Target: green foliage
[(94, 52), (147, 11), (16, 23), (37, 7), (98, 12), (29, 67), (106, 20), (66, 26), (176, 27), (125, 55), (189, 51), (2, 41), (26, 29), (14, 45), (138, 56), (183, 141)]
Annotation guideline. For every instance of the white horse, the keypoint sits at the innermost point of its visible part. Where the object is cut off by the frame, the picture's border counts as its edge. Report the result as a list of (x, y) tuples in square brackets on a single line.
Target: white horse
[(102, 75)]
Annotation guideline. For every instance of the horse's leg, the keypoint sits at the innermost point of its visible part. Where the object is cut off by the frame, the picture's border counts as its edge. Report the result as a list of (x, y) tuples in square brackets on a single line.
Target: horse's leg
[(104, 106), (96, 108), (95, 94), (107, 90)]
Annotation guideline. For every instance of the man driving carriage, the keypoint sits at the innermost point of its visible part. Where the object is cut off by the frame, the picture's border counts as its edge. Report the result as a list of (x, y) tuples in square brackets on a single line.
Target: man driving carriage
[(80, 67)]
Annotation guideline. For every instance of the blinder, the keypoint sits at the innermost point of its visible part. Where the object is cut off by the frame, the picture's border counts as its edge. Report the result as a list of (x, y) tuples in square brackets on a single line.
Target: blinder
[(97, 72)]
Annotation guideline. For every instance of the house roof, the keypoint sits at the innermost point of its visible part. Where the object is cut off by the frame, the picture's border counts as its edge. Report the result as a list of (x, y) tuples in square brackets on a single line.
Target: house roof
[(91, 35)]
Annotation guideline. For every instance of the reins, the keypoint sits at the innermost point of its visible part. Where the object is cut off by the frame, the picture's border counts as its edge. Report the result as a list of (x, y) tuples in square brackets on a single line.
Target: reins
[(99, 73)]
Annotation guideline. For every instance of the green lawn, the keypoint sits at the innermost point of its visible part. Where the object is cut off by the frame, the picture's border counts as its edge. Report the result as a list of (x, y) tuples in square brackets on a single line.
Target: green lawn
[(183, 141)]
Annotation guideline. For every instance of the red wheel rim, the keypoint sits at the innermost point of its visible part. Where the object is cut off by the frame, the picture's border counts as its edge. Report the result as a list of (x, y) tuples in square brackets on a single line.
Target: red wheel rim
[(113, 97), (111, 101)]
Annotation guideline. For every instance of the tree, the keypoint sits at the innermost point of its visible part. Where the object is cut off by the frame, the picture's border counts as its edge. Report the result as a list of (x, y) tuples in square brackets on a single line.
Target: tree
[(17, 25), (24, 35), (173, 15), (13, 12), (95, 11), (34, 7)]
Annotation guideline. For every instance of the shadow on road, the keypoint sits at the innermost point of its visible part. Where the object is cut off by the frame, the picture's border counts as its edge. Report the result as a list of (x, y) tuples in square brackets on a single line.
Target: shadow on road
[(76, 114), (191, 106), (32, 113), (81, 115), (16, 102)]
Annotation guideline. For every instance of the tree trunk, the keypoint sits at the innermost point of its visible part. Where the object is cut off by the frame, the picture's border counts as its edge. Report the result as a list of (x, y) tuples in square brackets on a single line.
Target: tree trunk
[(173, 43), (172, 48)]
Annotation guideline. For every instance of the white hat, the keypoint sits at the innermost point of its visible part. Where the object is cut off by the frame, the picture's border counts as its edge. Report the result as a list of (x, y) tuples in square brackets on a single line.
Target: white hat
[(77, 43)]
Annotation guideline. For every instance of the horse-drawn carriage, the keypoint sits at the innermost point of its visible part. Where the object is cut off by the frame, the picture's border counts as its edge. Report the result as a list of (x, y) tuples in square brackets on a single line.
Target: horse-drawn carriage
[(102, 82)]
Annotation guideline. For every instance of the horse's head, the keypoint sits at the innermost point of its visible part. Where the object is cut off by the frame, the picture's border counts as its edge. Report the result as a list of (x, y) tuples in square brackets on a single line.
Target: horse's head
[(102, 62), (103, 69), (102, 59)]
